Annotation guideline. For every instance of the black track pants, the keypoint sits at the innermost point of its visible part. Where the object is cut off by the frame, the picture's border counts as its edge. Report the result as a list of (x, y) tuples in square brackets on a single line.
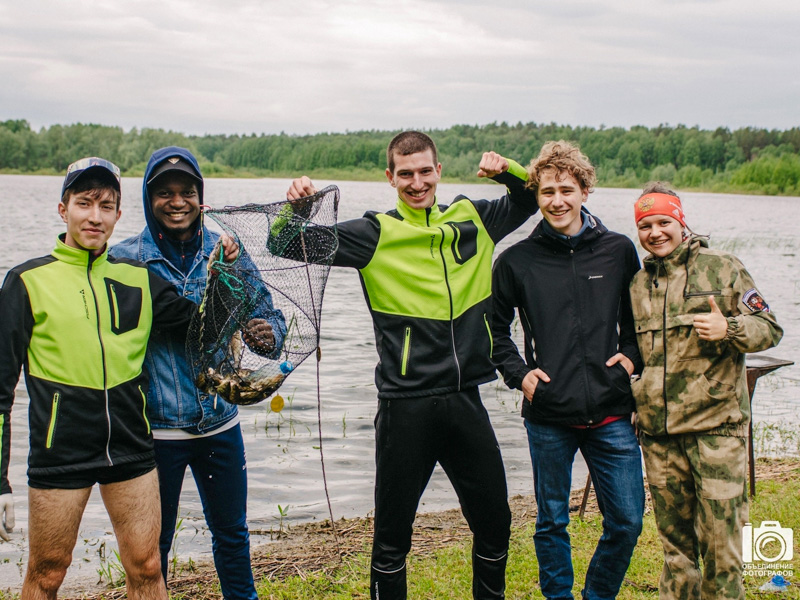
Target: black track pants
[(411, 435)]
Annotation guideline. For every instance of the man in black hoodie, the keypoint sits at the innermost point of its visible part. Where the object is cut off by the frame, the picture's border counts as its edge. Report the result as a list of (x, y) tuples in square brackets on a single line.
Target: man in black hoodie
[(569, 281)]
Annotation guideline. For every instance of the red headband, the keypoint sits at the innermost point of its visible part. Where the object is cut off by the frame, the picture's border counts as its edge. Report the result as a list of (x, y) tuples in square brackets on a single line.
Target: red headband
[(659, 204)]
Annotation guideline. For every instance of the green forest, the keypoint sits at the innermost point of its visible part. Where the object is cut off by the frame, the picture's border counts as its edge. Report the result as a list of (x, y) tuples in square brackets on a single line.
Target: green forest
[(748, 160)]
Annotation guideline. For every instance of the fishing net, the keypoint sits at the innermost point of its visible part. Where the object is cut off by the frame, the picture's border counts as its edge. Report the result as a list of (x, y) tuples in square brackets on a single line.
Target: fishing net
[(279, 276)]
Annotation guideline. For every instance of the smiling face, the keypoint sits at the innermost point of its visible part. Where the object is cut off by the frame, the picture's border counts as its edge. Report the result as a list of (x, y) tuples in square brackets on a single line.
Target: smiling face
[(659, 234), (560, 197), (90, 217), (415, 176), (175, 202)]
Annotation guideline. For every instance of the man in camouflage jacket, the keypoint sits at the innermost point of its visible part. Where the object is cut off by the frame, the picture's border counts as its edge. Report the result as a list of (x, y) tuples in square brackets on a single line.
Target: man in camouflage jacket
[(697, 313)]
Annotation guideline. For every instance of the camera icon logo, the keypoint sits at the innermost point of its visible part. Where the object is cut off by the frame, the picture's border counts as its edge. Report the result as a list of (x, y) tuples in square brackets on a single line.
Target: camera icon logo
[(756, 542)]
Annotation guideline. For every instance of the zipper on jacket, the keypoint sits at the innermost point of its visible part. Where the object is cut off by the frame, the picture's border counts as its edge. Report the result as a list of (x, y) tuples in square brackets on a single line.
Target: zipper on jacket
[(115, 306), (144, 409), (456, 237), (51, 429), (489, 331), (103, 355), (406, 350), (450, 299), (527, 320), (578, 295), (702, 294), (664, 343)]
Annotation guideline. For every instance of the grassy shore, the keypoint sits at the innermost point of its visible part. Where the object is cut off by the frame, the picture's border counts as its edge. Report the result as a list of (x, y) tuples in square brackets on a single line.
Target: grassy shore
[(310, 563), (442, 570)]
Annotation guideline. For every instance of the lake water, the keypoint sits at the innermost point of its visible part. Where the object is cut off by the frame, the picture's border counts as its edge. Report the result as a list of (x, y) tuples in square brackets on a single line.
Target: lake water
[(283, 459)]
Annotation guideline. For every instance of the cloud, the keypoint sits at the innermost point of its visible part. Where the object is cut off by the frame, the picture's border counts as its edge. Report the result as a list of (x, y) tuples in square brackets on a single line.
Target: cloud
[(210, 66)]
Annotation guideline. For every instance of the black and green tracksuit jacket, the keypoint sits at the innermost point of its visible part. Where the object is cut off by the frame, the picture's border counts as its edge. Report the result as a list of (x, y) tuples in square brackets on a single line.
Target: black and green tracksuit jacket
[(427, 279), (79, 326)]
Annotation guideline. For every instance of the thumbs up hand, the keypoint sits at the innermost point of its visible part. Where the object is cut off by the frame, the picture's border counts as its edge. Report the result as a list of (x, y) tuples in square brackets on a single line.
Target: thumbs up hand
[(712, 326)]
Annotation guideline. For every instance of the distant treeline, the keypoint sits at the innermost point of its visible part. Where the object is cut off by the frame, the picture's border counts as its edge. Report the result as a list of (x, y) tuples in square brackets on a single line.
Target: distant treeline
[(745, 160)]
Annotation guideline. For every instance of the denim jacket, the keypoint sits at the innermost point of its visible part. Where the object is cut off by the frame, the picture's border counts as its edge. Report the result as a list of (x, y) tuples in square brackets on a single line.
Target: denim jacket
[(171, 406), (173, 401)]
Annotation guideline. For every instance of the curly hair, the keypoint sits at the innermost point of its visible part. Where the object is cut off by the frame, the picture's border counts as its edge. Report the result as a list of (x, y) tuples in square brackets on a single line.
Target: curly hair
[(562, 157)]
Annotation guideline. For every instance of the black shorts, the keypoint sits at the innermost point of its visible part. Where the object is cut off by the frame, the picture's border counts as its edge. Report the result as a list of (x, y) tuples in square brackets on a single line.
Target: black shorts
[(87, 478)]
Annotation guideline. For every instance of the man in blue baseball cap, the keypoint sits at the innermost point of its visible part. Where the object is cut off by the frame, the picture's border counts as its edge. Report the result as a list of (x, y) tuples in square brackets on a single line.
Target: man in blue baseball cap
[(78, 322)]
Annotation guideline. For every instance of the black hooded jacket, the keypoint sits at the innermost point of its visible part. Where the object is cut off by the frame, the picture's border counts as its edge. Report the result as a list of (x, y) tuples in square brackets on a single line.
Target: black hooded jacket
[(575, 311)]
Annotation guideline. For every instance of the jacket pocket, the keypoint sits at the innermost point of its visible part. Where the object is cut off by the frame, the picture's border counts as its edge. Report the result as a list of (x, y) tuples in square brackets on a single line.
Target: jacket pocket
[(406, 351), (125, 304), (648, 392), (489, 333), (619, 378), (683, 342), (538, 398), (465, 241), (646, 332), (696, 302), (715, 404), (51, 428), (144, 408)]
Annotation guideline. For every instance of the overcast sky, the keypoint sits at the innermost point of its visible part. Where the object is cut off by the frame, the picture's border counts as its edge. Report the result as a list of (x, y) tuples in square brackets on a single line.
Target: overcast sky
[(309, 66)]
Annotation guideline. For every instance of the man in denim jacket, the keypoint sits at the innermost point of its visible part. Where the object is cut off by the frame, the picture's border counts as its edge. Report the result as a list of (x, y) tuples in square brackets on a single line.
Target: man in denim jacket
[(191, 427)]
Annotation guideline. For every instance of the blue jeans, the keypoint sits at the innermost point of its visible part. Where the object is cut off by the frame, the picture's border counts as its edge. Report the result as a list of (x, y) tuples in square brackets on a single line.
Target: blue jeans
[(218, 466), (614, 460)]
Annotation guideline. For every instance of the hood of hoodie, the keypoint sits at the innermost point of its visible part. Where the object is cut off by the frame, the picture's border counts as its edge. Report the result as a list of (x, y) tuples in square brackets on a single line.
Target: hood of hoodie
[(170, 248)]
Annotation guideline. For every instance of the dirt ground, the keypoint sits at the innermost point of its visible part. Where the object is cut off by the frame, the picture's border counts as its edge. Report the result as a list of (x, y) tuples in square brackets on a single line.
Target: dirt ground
[(315, 548)]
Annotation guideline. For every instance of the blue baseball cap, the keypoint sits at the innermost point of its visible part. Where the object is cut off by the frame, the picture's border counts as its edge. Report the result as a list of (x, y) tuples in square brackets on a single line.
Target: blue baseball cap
[(99, 167)]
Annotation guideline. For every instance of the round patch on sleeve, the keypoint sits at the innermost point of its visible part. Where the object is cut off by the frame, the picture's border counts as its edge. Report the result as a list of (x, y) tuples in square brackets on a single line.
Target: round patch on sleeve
[(753, 300)]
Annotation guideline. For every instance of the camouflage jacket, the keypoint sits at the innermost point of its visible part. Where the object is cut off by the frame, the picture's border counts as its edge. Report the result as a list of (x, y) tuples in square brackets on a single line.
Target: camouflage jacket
[(688, 384)]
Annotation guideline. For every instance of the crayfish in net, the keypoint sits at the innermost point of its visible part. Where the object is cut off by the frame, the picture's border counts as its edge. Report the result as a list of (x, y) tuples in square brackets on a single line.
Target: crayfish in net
[(237, 384)]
